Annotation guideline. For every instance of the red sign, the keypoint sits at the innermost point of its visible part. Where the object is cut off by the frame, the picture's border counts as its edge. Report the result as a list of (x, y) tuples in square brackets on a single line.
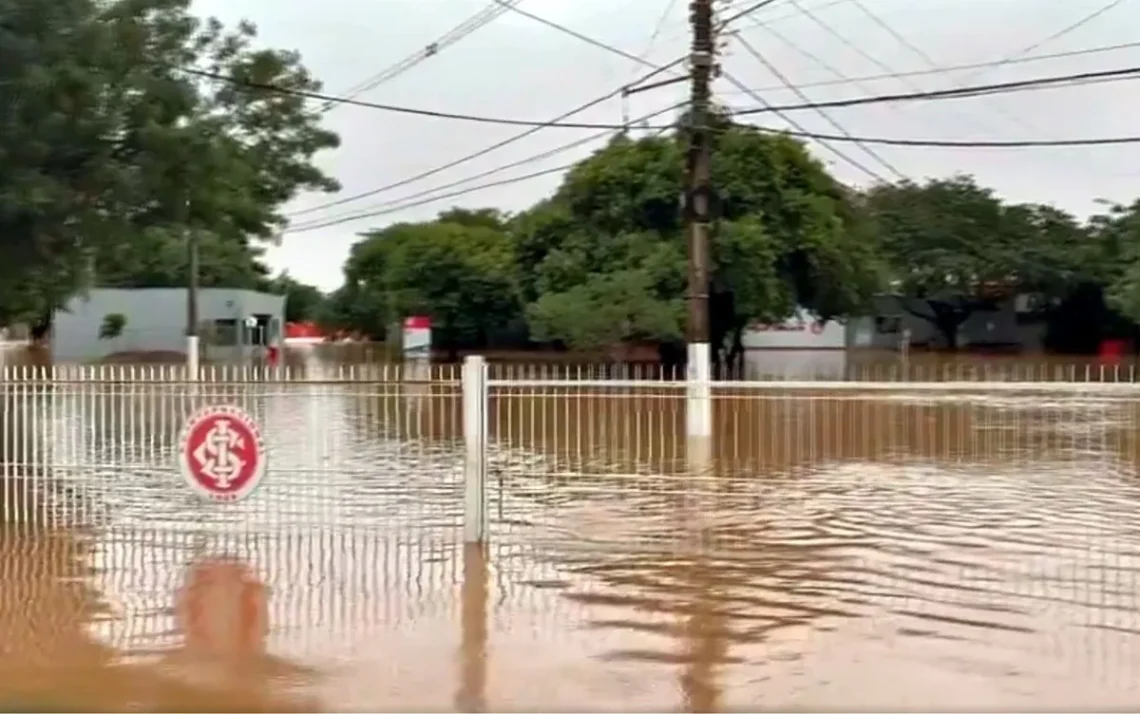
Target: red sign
[(223, 609), (221, 453), (417, 322)]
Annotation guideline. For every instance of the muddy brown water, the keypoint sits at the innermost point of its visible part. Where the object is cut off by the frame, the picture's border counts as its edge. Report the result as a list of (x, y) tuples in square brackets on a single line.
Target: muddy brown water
[(850, 550)]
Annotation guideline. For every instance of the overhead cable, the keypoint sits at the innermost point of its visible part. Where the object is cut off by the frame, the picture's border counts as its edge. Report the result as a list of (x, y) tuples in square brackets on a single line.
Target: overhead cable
[(949, 69), (432, 49), (980, 90), (822, 112), (635, 123)]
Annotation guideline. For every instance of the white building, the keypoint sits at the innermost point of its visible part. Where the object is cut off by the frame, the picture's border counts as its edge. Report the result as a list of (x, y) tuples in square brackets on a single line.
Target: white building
[(154, 321)]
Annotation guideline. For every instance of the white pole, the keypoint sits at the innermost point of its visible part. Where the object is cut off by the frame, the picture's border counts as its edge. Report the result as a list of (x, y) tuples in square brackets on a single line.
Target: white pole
[(192, 357), (698, 408), (475, 514)]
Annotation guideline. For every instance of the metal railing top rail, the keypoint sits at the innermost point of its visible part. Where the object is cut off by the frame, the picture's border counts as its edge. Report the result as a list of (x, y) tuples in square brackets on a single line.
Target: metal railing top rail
[(830, 385), (831, 371), (826, 369), (393, 373)]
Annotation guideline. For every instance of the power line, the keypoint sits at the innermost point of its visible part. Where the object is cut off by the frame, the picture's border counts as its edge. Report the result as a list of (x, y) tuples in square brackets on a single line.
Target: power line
[(433, 199), (793, 123), (947, 69), (1068, 29), (641, 60), (826, 115), (669, 5), (492, 171), (962, 144), (578, 35), (482, 152), (953, 93), (396, 109), (981, 90), (754, 7), (556, 122), (455, 34), (423, 198)]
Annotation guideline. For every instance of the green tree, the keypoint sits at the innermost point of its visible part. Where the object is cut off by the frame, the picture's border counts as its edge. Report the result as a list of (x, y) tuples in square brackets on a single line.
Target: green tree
[(784, 234), (956, 246), (462, 276), (115, 145), (303, 302), (1116, 240)]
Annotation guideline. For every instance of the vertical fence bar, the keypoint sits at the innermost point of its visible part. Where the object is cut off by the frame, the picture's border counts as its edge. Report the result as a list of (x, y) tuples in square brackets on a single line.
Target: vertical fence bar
[(475, 406)]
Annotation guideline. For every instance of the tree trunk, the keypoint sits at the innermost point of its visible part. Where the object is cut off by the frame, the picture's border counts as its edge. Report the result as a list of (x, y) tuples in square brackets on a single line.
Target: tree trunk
[(949, 330)]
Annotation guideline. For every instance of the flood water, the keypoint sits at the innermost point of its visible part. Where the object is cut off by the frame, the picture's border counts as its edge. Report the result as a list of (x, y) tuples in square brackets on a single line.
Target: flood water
[(850, 550)]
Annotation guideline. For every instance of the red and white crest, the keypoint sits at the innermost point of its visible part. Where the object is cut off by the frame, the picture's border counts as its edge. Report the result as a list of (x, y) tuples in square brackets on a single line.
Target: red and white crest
[(221, 453)]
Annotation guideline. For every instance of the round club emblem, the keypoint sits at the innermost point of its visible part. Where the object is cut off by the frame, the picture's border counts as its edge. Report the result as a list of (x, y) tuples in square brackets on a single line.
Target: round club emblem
[(817, 328), (221, 453)]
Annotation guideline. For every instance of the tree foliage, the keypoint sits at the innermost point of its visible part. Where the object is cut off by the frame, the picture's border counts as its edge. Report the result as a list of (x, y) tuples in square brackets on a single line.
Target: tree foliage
[(460, 274), (957, 247), (113, 146), (784, 234)]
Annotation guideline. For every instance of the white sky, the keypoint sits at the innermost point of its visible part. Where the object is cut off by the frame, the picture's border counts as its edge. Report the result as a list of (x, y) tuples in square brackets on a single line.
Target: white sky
[(519, 68)]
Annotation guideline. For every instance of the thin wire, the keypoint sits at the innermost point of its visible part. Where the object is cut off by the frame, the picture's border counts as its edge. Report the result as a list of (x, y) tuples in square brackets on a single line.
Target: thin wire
[(793, 123), (432, 113), (1063, 31), (823, 113), (944, 69), (963, 144), (745, 13), (441, 197), (492, 171), (1080, 78), (454, 194), (481, 152), (981, 90), (477, 21), (552, 123), (579, 36), (402, 205)]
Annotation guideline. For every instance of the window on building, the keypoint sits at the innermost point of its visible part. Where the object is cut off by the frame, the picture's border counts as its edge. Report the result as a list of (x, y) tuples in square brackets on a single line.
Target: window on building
[(225, 333), (888, 324)]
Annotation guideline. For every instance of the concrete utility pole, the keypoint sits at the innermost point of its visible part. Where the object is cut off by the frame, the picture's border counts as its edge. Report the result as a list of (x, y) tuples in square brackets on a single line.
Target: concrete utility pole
[(698, 193), (192, 346)]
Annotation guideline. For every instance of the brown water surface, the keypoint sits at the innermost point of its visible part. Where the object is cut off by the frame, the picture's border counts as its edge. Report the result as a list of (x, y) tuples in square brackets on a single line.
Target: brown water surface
[(850, 550)]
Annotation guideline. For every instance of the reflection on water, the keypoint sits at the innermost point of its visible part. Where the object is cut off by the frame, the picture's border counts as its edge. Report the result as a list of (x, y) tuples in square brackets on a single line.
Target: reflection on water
[(850, 550)]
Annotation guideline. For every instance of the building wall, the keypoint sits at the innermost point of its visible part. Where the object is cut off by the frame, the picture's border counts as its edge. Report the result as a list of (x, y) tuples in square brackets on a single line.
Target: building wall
[(799, 332), (984, 327), (885, 329), (155, 320)]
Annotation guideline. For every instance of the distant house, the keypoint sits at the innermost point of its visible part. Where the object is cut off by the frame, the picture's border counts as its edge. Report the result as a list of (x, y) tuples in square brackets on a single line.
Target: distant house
[(1010, 324), (235, 325)]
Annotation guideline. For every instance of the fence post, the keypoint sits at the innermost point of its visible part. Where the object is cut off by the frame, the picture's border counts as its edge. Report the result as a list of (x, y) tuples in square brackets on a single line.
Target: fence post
[(192, 353), (475, 446), (698, 409)]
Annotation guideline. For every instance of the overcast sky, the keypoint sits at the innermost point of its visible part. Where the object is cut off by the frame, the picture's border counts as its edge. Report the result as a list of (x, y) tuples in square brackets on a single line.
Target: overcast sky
[(520, 68)]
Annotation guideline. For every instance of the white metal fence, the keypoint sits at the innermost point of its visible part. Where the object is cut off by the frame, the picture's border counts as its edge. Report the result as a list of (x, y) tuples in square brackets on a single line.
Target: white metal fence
[(1005, 483), (500, 445)]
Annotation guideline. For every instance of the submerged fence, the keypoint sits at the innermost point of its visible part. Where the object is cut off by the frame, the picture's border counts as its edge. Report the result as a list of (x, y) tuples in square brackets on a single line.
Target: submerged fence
[(928, 486), (483, 447)]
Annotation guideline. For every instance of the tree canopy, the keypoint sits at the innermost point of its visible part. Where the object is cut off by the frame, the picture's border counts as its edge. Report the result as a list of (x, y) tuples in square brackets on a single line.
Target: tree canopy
[(603, 259), (118, 140)]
